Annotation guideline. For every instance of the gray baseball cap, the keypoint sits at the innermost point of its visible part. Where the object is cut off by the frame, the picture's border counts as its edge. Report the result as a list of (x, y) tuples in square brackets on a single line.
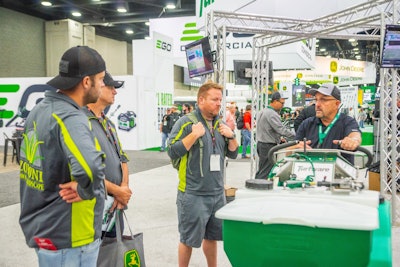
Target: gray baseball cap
[(327, 89)]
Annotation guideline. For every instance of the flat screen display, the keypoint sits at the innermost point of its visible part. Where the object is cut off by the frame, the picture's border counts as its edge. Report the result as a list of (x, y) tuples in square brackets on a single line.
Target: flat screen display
[(199, 57), (243, 71), (391, 47)]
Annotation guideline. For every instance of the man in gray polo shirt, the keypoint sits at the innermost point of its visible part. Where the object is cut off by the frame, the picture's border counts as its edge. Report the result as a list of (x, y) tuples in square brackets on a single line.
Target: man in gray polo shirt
[(269, 132), (116, 170)]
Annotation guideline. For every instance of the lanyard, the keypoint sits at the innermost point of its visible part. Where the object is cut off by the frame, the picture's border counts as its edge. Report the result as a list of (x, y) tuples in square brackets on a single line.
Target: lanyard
[(211, 129), (103, 120), (322, 135)]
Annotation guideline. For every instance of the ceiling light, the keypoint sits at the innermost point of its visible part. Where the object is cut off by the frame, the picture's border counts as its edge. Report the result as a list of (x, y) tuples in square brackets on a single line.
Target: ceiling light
[(356, 49), (147, 38), (170, 6), (351, 40), (46, 3), (76, 14), (129, 31), (121, 10), (147, 23), (322, 49)]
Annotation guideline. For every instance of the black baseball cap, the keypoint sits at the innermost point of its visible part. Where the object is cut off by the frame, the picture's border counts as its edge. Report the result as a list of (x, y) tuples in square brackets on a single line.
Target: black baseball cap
[(109, 81), (327, 89), (75, 64), (277, 96)]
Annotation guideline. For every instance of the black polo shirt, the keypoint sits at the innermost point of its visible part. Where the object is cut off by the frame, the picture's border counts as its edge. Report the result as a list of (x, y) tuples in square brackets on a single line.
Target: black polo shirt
[(342, 128)]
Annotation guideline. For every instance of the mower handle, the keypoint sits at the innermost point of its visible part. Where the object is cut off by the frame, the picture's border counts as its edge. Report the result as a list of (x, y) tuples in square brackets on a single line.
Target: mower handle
[(292, 143)]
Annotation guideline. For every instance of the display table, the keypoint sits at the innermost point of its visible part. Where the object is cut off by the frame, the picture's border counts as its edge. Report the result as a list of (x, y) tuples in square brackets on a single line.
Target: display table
[(305, 232)]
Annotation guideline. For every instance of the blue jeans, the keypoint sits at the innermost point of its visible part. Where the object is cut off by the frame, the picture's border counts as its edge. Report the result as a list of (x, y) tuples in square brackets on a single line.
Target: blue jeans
[(361, 123), (164, 137), (246, 134), (84, 256)]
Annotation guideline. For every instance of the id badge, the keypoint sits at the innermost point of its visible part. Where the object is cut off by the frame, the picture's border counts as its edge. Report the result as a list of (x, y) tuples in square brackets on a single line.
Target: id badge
[(215, 163)]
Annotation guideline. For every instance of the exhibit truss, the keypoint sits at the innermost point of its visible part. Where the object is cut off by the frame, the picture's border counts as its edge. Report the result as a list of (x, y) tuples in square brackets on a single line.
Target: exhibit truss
[(361, 22)]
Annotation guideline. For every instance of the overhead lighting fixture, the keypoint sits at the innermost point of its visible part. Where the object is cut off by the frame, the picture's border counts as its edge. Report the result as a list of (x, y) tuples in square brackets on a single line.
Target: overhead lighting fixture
[(121, 10), (147, 38), (129, 31), (76, 14), (356, 49), (170, 6), (147, 23), (46, 3), (322, 49), (351, 40)]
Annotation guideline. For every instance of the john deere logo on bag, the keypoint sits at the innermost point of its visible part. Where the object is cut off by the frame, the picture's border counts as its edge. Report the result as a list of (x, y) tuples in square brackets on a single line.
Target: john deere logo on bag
[(132, 259)]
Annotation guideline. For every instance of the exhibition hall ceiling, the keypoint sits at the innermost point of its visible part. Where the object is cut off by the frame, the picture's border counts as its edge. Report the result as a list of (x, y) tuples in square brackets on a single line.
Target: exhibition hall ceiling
[(125, 20), (110, 18)]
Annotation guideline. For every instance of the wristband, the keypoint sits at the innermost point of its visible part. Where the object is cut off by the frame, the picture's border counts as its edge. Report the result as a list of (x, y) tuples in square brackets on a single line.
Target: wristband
[(233, 136)]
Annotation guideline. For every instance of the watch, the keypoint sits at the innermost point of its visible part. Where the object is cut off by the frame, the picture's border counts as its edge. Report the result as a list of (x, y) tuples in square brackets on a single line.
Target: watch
[(233, 136)]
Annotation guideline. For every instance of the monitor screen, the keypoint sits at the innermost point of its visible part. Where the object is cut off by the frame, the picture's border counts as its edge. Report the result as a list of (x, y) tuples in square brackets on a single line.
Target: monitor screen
[(195, 81), (199, 57), (391, 47), (243, 71)]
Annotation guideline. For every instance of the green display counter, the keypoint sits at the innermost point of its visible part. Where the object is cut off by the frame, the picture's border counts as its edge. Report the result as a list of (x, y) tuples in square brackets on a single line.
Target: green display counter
[(381, 251), (367, 138), (253, 243)]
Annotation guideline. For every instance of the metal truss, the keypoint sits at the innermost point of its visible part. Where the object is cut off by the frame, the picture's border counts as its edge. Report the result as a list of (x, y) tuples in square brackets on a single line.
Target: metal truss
[(362, 22), (390, 139)]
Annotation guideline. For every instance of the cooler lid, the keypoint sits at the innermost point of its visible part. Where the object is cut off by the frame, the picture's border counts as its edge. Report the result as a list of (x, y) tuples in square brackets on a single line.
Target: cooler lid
[(323, 213)]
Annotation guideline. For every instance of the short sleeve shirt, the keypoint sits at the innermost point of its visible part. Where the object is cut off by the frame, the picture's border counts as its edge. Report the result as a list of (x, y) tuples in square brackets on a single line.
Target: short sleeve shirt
[(342, 128), (247, 118)]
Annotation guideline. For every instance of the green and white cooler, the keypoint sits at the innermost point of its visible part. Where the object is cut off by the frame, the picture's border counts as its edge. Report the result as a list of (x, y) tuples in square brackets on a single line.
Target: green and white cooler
[(292, 231)]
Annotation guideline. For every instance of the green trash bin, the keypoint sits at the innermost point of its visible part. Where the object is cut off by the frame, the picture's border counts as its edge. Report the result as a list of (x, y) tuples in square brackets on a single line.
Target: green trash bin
[(289, 231)]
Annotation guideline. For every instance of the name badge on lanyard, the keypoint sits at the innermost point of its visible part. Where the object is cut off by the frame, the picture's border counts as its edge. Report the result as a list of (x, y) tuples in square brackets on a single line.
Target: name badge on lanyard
[(215, 162)]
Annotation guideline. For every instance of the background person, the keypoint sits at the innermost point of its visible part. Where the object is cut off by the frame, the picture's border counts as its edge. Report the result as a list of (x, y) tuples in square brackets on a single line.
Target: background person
[(362, 116), (230, 119), (329, 128), (246, 131), (201, 184), (186, 109), (165, 129), (61, 213), (304, 114), (116, 160), (269, 132)]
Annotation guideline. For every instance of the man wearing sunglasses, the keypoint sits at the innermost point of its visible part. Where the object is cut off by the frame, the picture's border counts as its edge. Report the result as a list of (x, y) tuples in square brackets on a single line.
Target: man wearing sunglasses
[(269, 132), (329, 128)]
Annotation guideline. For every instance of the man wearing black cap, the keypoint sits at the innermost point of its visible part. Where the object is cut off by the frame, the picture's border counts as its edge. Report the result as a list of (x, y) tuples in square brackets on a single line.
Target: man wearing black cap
[(269, 132), (62, 169), (329, 128), (116, 171)]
